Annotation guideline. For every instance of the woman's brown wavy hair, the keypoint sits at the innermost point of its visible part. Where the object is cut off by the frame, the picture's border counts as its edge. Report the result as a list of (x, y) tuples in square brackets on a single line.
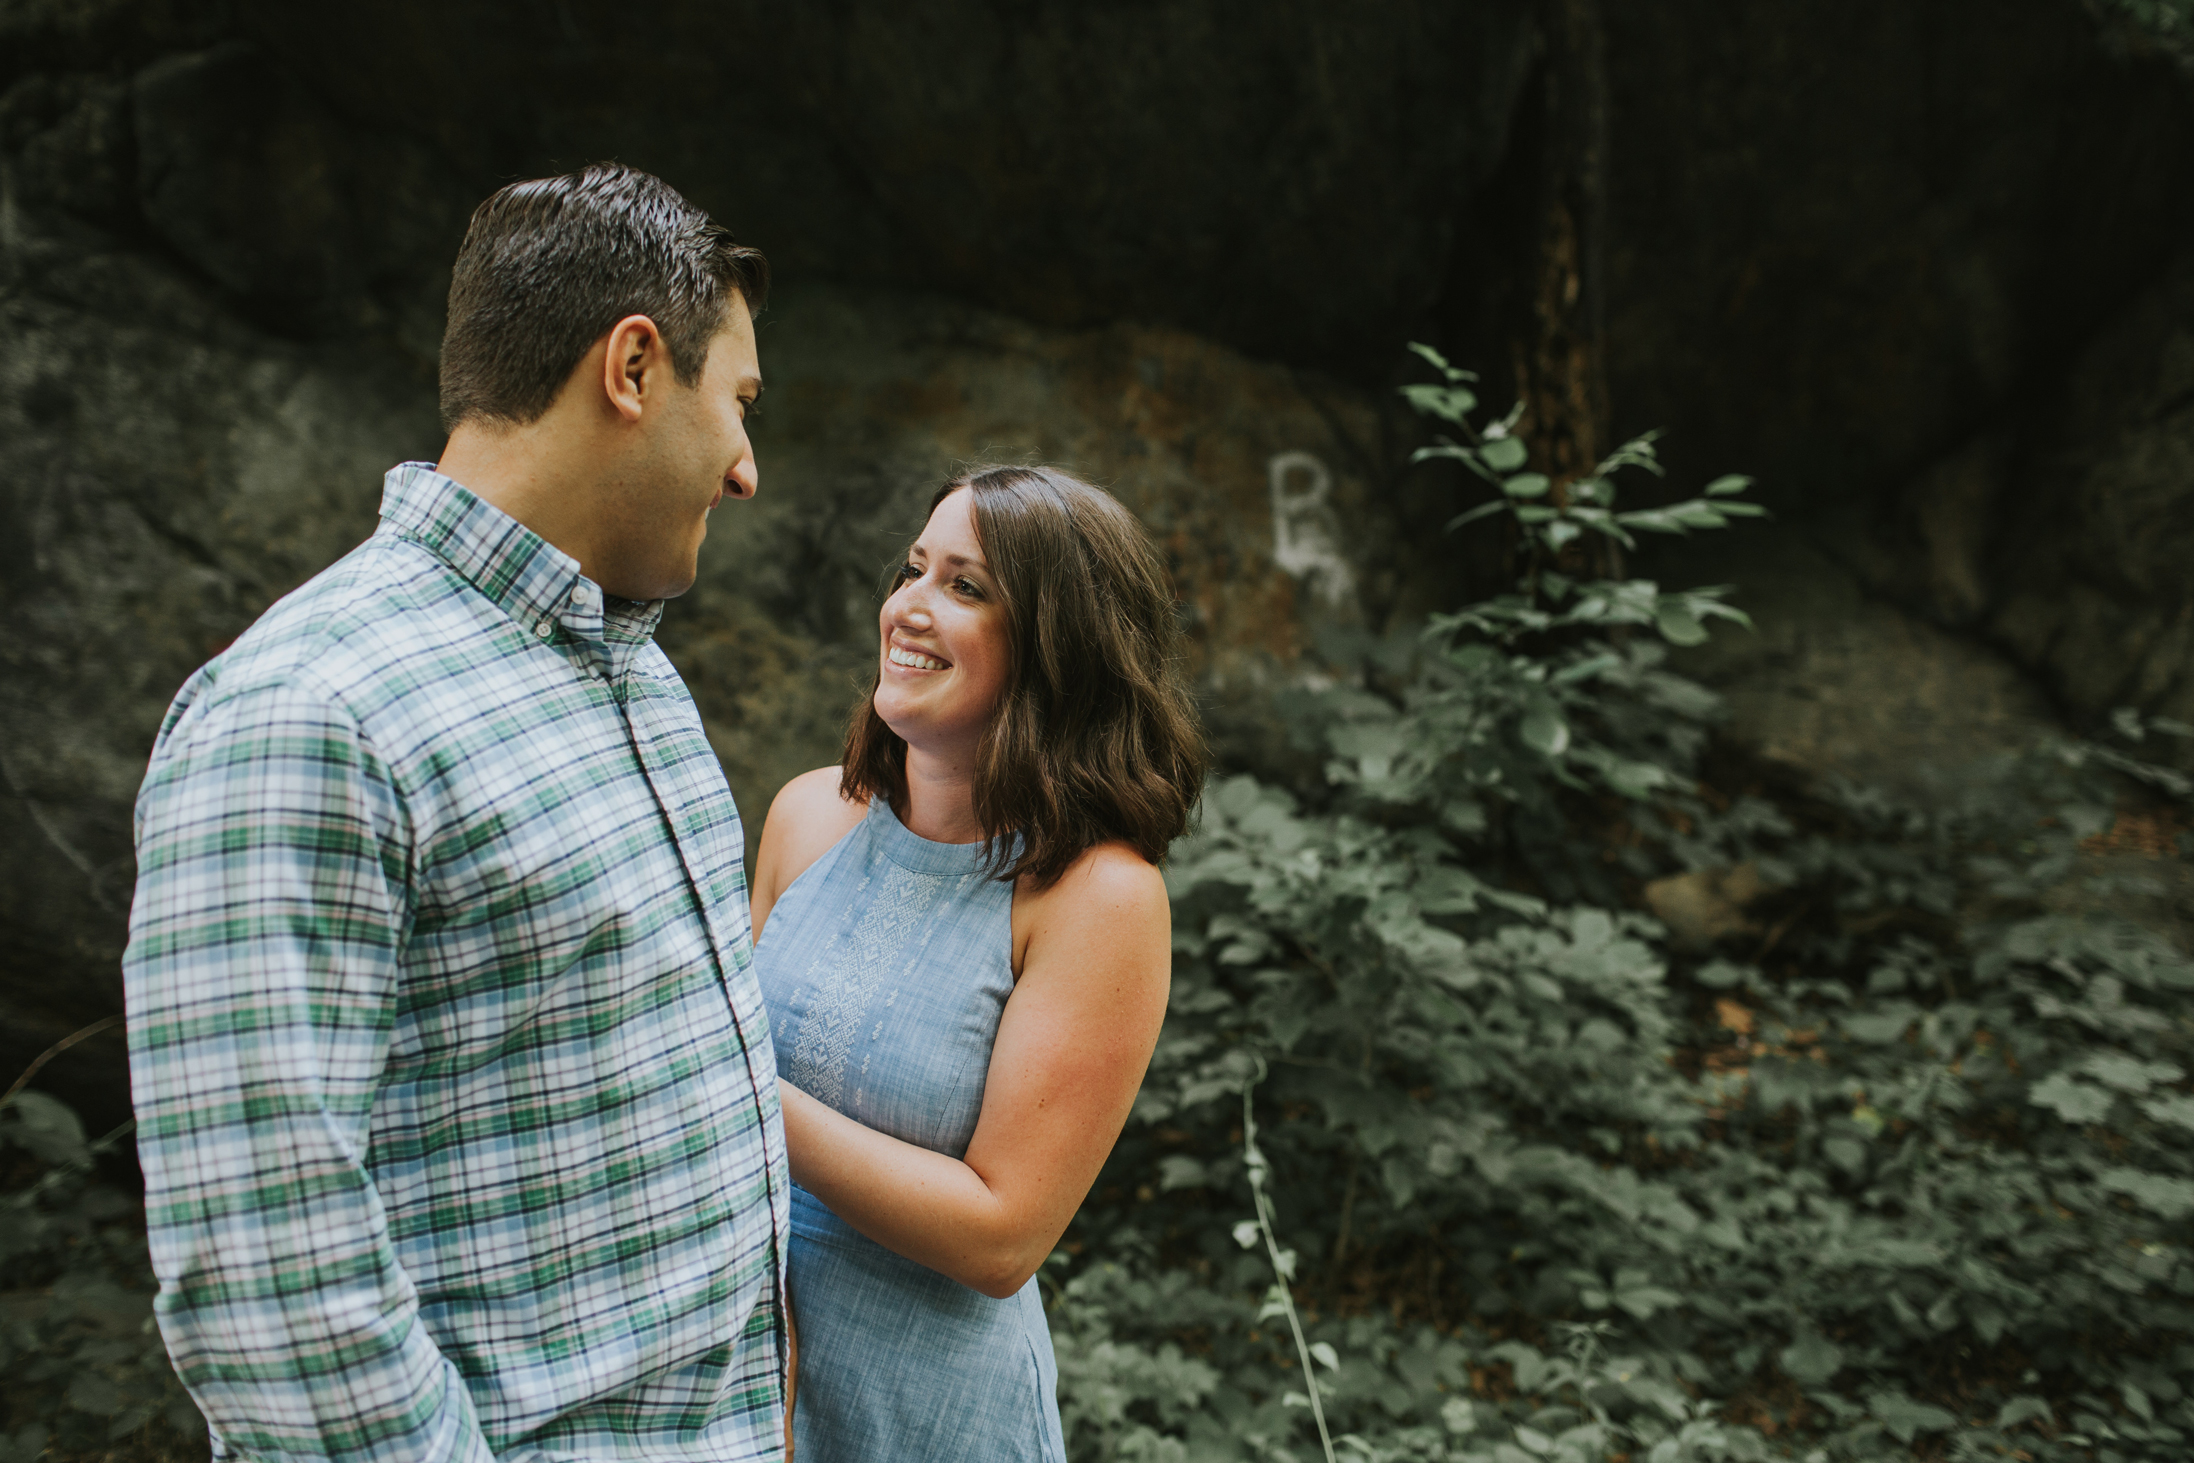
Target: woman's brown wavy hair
[(1095, 737)]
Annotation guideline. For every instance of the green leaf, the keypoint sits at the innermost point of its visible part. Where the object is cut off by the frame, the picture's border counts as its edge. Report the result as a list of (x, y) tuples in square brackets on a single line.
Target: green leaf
[(1440, 362), (1720, 975), (1503, 454), (48, 1127), (1642, 1301), (2130, 1074), (1848, 1154), (1637, 780), (1483, 510), (1881, 1028), (2161, 1194), (1445, 450), (1526, 485), (1651, 520), (1527, 1363), (1811, 1359), (1905, 1417), (1722, 487), (1450, 403), (1544, 731), (1179, 1171), (27, 1445), (2075, 1102), (1678, 623), (93, 1393), (2170, 1108), (1586, 669)]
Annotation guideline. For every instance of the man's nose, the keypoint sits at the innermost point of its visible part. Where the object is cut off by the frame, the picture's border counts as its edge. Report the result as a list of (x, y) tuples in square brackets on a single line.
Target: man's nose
[(746, 478)]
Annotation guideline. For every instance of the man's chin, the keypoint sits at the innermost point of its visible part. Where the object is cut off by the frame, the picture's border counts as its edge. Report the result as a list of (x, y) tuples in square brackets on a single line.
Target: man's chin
[(666, 583), (675, 583)]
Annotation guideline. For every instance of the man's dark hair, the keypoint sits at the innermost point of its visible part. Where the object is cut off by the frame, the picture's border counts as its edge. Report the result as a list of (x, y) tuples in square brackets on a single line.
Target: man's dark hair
[(549, 265), (1095, 736)]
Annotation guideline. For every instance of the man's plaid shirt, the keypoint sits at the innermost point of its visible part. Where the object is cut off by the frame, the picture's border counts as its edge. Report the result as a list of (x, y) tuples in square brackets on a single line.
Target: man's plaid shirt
[(455, 1094)]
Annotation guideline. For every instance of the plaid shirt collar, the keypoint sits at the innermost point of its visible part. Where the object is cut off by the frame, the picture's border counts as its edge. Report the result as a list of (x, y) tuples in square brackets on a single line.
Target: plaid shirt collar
[(531, 580)]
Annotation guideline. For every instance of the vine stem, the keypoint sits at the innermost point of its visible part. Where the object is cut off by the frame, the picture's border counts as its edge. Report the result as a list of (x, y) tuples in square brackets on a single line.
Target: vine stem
[(105, 1023), (1254, 1158)]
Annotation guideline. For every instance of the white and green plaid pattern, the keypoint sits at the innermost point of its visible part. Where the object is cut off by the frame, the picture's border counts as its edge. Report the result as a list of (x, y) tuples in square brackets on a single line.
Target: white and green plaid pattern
[(455, 1092)]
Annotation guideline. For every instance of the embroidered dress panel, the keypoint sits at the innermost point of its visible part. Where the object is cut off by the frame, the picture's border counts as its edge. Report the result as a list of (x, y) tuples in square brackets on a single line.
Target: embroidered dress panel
[(456, 1100), (897, 901), (886, 966)]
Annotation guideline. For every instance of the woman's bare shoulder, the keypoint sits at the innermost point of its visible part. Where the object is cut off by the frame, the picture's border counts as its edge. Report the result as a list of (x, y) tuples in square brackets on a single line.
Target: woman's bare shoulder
[(815, 794), (1102, 931), (806, 817), (809, 814), (1106, 883)]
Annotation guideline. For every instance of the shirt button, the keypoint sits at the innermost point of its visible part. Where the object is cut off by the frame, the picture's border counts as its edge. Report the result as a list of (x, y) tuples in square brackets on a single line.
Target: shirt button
[(541, 628)]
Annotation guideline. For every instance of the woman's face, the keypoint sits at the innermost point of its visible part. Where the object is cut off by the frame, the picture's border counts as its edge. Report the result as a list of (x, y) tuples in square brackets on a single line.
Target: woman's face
[(944, 653)]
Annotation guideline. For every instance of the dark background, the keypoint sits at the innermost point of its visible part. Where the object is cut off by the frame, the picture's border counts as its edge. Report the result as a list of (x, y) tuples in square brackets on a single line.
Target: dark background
[(1922, 269)]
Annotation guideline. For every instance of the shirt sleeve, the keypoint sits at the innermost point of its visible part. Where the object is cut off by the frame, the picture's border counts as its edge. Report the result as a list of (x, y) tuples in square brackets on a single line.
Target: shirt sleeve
[(261, 982)]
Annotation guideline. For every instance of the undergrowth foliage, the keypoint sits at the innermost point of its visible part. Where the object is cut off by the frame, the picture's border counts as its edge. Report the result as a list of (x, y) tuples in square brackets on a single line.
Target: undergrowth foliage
[(1452, 1151), (86, 1376), (1896, 1159)]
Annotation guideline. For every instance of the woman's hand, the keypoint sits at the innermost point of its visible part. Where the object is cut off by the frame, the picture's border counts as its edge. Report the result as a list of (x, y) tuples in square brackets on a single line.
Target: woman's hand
[(1095, 960)]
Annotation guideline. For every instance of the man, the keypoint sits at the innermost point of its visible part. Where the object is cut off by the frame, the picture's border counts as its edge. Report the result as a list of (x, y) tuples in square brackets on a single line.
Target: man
[(455, 1096)]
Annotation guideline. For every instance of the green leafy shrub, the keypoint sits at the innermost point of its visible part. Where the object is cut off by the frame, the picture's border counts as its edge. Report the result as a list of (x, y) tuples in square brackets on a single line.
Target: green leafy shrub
[(87, 1375), (1894, 1159)]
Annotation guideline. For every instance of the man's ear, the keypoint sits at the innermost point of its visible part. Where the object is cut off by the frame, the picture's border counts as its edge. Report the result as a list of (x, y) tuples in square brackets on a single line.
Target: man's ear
[(635, 366)]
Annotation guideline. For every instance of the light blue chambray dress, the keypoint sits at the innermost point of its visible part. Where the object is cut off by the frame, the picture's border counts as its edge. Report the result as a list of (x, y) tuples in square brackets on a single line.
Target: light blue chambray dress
[(885, 967)]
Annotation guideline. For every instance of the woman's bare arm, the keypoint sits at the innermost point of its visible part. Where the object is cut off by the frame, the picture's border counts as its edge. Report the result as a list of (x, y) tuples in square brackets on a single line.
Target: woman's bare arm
[(1072, 1047)]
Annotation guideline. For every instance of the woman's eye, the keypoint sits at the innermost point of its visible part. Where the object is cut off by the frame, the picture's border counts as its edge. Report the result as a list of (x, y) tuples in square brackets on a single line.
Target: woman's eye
[(907, 572)]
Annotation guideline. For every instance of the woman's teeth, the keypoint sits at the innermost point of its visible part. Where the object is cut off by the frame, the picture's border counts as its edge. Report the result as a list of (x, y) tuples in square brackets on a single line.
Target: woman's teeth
[(914, 659)]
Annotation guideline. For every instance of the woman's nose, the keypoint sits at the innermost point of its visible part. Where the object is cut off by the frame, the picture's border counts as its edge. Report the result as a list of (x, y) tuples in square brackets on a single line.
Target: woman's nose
[(910, 606)]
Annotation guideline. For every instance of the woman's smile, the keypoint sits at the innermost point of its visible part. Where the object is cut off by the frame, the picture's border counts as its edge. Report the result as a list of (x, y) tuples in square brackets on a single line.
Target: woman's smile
[(915, 659)]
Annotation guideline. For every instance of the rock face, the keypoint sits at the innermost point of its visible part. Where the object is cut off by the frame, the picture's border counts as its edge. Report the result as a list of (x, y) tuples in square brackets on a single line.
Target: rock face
[(2093, 582), (1279, 174), (2062, 530), (1845, 237), (1907, 263), (166, 472), (1837, 682)]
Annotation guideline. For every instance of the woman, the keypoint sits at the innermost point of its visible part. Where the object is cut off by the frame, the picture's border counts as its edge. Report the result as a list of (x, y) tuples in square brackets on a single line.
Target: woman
[(964, 941)]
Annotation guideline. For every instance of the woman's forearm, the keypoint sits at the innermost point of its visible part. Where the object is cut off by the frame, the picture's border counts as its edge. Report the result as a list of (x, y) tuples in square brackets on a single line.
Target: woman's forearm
[(929, 1207)]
